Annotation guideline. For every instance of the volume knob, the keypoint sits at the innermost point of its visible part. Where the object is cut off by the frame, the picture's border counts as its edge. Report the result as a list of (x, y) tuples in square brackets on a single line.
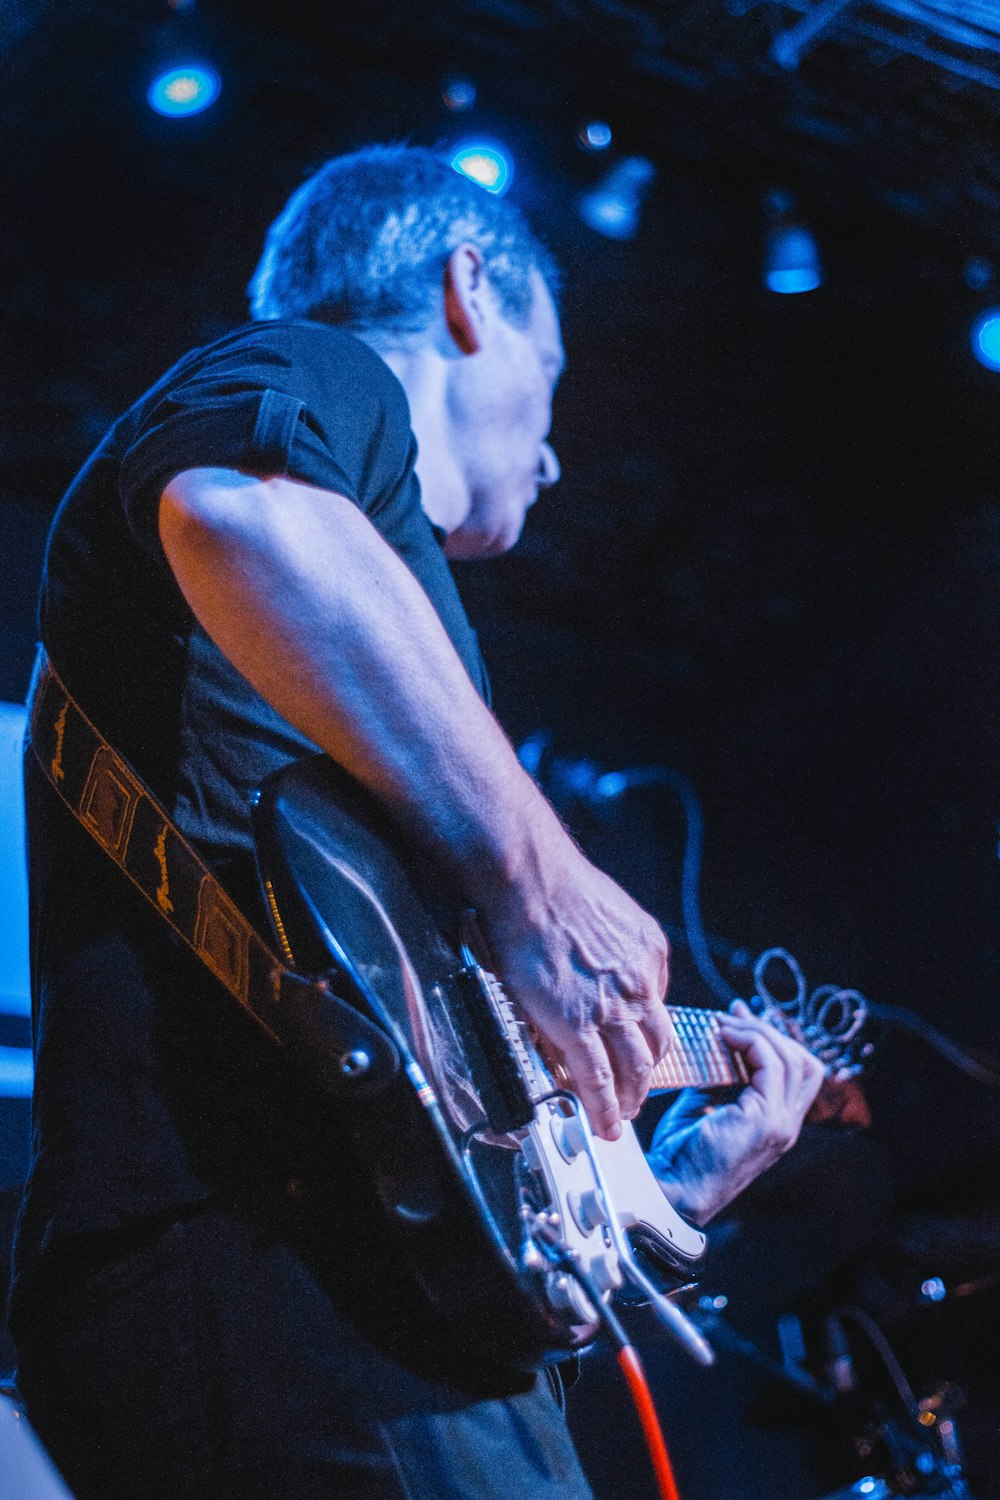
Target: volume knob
[(567, 1132), (588, 1210)]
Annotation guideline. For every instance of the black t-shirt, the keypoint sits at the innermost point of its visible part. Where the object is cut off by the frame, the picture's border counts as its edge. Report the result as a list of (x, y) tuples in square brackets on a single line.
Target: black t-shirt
[(152, 1090)]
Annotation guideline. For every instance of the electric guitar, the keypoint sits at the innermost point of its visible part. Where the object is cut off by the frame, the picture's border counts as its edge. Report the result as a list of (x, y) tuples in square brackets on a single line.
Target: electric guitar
[(483, 1161)]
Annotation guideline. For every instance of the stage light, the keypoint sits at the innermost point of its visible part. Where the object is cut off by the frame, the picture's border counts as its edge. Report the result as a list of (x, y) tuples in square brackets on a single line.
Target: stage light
[(459, 95), (977, 274), (490, 166), (17, 1073), (613, 208), (986, 339), (15, 984), (184, 91), (792, 262), (594, 136)]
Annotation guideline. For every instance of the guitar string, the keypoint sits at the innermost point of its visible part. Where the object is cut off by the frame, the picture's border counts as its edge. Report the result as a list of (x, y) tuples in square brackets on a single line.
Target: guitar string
[(701, 1058)]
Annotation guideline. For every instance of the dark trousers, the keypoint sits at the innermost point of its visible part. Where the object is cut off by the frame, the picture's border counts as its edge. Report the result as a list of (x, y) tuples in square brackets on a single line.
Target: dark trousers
[(203, 1358)]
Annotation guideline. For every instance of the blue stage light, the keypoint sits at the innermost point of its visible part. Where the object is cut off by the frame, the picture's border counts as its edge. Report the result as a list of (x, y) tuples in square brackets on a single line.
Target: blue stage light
[(595, 135), (490, 166), (797, 279), (17, 1072), (977, 273), (792, 263), (614, 207), (15, 985), (459, 95), (184, 91), (986, 339)]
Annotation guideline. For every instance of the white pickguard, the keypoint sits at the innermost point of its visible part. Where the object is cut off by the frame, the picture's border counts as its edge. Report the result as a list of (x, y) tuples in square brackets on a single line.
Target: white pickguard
[(593, 1207), (596, 1190), (638, 1199)]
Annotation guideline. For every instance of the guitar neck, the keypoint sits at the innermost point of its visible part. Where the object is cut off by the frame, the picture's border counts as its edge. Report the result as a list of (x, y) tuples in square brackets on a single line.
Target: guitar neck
[(699, 1057)]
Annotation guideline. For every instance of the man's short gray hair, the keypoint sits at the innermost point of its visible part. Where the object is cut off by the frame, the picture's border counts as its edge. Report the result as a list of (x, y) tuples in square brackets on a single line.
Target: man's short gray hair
[(364, 241)]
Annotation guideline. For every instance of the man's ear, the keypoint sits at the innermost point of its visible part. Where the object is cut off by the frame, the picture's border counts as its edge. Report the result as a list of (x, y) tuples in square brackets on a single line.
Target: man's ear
[(466, 294)]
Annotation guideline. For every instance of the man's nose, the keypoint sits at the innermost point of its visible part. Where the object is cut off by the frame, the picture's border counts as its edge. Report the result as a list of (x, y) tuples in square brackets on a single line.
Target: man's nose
[(548, 468)]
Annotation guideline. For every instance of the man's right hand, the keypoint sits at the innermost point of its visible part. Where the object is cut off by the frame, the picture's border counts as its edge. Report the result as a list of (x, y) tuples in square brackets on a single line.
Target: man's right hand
[(589, 967)]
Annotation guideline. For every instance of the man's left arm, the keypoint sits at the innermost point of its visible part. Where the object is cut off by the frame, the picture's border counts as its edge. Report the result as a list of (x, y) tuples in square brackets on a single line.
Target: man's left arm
[(701, 1159)]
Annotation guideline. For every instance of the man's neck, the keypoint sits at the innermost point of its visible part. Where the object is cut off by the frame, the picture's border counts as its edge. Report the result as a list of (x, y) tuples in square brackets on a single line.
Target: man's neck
[(424, 374)]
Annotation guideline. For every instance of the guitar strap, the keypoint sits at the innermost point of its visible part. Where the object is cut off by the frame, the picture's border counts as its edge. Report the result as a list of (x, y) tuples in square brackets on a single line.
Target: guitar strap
[(344, 1051)]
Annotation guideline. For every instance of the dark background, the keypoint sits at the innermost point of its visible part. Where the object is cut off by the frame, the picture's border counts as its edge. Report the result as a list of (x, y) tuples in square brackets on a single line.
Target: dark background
[(773, 562)]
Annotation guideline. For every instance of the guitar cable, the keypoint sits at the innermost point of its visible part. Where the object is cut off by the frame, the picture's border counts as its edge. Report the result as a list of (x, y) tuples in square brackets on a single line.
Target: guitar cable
[(629, 1363), (614, 784), (584, 782)]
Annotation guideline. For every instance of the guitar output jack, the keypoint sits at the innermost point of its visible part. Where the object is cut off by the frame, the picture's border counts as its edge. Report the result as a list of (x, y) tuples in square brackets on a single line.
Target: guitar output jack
[(354, 1064)]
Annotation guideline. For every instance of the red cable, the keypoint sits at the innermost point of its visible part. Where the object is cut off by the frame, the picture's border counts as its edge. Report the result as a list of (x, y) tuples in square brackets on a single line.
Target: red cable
[(635, 1375)]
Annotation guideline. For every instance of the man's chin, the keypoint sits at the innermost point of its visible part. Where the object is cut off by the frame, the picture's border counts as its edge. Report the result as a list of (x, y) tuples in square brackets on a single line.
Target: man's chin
[(463, 547)]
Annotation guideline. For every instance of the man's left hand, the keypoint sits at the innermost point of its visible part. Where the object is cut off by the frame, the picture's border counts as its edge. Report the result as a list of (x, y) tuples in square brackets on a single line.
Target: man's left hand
[(703, 1159)]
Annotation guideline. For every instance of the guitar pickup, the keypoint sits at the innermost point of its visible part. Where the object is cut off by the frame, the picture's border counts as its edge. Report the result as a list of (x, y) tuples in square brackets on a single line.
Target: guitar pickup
[(496, 1070)]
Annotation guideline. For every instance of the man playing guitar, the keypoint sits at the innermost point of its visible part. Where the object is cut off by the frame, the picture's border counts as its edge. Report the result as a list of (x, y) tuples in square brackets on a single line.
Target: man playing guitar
[(252, 566)]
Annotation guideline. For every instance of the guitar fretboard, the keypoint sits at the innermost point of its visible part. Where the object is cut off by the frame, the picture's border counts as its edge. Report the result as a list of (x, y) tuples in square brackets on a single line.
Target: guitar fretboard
[(700, 1058)]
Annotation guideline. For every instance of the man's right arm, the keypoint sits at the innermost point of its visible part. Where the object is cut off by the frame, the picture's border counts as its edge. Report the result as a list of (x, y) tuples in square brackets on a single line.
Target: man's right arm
[(326, 622)]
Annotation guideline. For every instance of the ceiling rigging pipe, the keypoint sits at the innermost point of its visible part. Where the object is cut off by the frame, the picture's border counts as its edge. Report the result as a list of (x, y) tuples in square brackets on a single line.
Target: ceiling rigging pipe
[(789, 47)]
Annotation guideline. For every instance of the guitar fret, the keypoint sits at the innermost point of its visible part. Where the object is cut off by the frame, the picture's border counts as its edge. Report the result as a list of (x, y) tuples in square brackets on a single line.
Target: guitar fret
[(696, 1052), (716, 1071), (669, 1073), (686, 1055), (718, 1062), (715, 1075), (701, 1049), (693, 1068), (663, 1076), (700, 1057), (721, 1053)]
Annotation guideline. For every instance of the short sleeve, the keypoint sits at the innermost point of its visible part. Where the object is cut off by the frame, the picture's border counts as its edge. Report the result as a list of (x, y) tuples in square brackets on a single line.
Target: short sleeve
[(285, 401)]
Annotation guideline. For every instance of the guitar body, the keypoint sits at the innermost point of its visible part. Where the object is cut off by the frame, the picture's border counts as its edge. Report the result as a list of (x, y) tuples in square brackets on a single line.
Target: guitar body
[(476, 1155)]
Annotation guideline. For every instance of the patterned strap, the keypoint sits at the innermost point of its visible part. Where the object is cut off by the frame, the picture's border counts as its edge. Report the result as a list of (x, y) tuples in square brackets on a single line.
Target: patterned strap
[(326, 1035), (110, 801)]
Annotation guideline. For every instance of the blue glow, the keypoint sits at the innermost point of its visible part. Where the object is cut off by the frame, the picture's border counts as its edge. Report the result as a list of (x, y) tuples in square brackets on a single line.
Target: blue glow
[(17, 1073), (614, 207), (615, 218), (986, 339), (15, 989), (792, 263), (595, 135), (978, 274), (933, 1289), (184, 91), (490, 166), (790, 282), (459, 95)]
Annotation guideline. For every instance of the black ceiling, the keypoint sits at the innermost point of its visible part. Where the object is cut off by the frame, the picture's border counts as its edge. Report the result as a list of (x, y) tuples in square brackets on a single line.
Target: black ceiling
[(884, 133)]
